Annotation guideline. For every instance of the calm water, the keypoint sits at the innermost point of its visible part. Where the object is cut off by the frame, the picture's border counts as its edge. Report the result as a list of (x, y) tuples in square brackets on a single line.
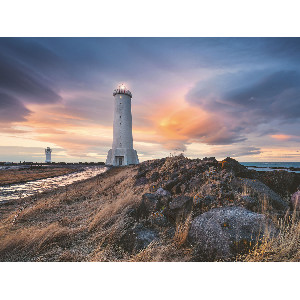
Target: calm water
[(21, 190), (269, 166)]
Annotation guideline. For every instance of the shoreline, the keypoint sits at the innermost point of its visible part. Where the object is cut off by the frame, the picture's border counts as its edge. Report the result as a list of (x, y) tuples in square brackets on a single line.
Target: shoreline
[(12, 177), (39, 185)]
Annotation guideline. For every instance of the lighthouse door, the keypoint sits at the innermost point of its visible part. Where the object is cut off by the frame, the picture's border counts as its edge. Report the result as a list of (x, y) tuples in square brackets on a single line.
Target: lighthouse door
[(119, 160)]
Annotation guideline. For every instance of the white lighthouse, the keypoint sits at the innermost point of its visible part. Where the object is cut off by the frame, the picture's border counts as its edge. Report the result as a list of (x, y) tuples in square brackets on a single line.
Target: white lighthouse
[(122, 152), (48, 155)]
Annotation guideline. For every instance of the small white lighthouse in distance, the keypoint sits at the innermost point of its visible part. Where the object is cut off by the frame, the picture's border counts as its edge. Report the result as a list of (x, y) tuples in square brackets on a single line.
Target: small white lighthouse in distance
[(48, 155), (122, 152)]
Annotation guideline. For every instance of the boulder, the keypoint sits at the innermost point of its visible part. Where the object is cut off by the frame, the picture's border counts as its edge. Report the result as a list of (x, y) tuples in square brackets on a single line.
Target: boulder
[(162, 193), (179, 208), (141, 173), (170, 184), (281, 182), (158, 218), (183, 188), (154, 177), (141, 181), (247, 201), (295, 200), (221, 233), (267, 198), (148, 205), (203, 203), (176, 189), (163, 197), (208, 189), (174, 176), (143, 237), (180, 202), (136, 238)]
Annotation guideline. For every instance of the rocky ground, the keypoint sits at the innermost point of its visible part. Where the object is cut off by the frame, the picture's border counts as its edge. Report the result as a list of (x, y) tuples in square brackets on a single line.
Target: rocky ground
[(33, 173), (170, 209)]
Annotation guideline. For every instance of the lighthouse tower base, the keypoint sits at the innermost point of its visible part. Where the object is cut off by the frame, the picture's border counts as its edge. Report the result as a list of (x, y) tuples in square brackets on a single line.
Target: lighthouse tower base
[(122, 157)]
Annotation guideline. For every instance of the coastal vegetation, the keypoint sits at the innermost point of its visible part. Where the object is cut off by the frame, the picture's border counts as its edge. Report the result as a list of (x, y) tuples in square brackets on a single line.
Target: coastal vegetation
[(170, 209)]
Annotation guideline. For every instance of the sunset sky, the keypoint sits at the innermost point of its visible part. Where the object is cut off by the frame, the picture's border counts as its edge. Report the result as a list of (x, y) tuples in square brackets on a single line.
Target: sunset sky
[(237, 97)]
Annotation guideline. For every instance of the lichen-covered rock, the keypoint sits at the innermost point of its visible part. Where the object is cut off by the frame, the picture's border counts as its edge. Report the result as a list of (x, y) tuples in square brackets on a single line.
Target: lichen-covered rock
[(221, 233)]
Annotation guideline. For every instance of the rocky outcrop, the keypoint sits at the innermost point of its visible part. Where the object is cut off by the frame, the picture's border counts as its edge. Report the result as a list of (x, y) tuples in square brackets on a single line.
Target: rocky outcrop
[(234, 166), (225, 207), (221, 233)]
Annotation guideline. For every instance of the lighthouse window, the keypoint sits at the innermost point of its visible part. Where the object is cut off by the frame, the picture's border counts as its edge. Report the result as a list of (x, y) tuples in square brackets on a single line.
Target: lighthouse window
[(120, 117)]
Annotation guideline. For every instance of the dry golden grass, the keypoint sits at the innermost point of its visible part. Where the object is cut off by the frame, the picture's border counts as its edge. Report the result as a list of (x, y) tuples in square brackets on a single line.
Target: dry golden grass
[(35, 241), (81, 217), (182, 231), (166, 252), (174, 249), (284, 247)]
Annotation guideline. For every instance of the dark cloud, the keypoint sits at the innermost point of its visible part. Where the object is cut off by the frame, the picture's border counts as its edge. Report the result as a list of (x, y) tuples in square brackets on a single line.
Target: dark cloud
[(25, 83), (11, 109), (259, 97), (277, 94), (32, 53), (24, 77)]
